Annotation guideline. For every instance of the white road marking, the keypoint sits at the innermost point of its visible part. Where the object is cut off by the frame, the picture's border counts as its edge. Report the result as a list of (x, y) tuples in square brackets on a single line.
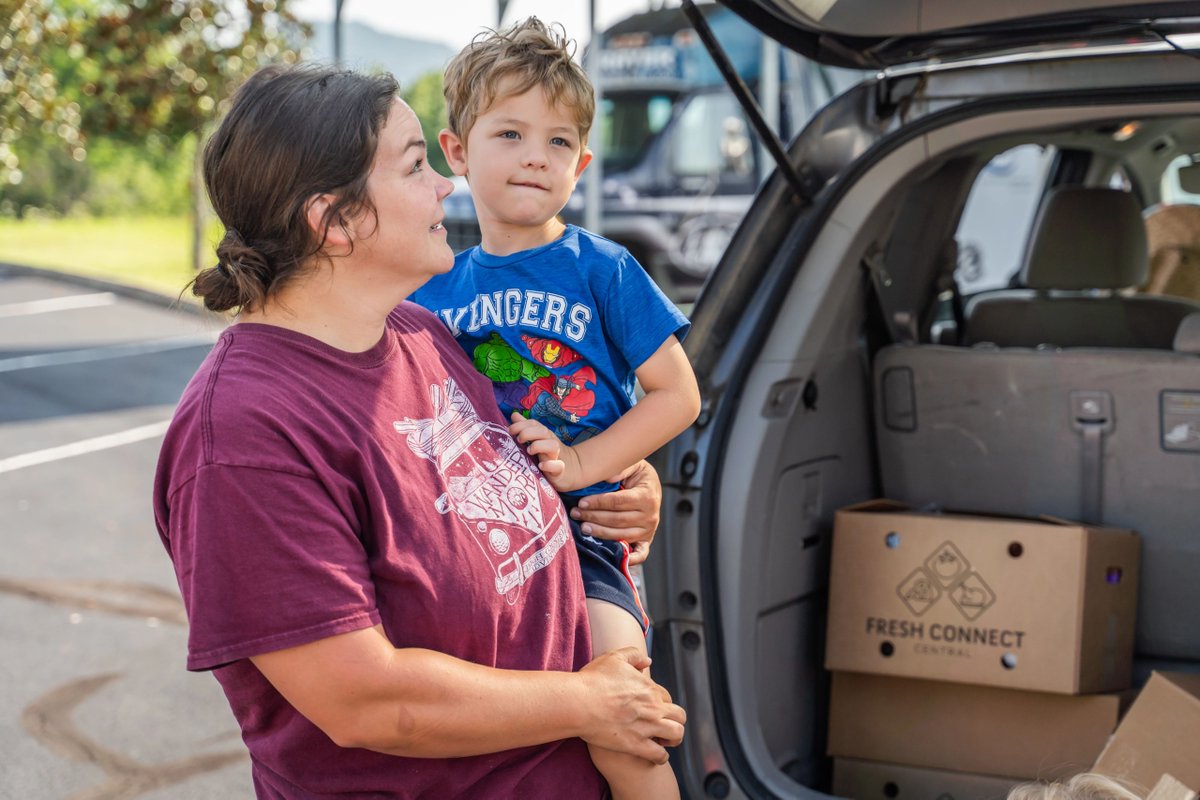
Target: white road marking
[(106, 352), (83, 447), (57, 304)]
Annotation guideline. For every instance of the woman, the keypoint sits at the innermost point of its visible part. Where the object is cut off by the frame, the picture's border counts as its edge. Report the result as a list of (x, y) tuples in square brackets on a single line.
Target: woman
[(376, 574)]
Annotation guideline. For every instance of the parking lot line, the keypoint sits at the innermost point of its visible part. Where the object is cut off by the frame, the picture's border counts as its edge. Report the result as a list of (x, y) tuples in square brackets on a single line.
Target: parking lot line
[(57, 304), (84, 446), (106, 352)]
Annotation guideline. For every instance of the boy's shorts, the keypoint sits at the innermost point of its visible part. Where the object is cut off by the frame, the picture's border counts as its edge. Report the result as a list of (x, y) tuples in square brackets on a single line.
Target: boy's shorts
[(605, 568)]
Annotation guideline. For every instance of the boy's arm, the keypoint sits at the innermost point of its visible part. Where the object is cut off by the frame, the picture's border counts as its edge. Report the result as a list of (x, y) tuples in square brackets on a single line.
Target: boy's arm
[(670, 405)]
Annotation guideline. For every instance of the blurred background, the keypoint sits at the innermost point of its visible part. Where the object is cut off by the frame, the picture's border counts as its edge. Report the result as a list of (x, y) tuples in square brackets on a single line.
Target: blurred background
[(103, 105)]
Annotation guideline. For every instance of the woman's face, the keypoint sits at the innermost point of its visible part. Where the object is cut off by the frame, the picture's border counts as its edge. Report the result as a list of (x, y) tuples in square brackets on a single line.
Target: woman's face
[(405, 235)]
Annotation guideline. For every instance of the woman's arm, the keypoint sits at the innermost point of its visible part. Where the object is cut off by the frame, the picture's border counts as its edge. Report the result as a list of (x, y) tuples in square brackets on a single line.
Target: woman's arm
[(363, 692)]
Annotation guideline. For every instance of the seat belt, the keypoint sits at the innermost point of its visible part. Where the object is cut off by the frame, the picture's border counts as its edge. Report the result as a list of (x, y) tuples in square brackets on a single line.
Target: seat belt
[(1092, 417), (901, 325)]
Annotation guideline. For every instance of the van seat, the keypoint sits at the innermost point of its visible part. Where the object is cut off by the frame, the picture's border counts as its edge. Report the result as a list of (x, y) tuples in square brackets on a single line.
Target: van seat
[(1103, 436), (1087, 245)]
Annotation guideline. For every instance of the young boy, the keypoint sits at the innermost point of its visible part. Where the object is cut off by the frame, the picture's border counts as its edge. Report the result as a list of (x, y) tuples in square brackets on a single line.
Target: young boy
[(560, 319)]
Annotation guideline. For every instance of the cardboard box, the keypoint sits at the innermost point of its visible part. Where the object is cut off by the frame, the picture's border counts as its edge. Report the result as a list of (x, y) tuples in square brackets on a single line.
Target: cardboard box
[(1160, 735), (1031, 604), (956, 726), (868, 780), (1168, 788)]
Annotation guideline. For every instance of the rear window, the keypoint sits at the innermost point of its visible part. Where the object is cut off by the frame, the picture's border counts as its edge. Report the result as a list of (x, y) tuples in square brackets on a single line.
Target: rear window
[(998, 217)]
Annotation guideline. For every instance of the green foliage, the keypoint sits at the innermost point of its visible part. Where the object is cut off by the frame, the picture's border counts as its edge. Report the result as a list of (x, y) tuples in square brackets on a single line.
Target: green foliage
[(116, 179), (425, 98), (143, 73)]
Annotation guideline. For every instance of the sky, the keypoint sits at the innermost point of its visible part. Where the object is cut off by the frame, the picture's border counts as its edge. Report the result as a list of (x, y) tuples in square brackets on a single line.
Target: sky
[(455, 22)]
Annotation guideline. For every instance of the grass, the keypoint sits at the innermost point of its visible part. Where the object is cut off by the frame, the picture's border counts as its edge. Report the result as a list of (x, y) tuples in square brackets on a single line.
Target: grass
[(149, 252)]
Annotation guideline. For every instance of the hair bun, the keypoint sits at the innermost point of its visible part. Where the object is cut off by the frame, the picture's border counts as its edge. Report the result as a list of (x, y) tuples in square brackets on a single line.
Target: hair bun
[(235, 254)]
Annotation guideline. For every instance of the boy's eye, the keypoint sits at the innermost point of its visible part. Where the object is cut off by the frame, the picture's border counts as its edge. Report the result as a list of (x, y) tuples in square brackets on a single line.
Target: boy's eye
[(559, 141), (509, 135)]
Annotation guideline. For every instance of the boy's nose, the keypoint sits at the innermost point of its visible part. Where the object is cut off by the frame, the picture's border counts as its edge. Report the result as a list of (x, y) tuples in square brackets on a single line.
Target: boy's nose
[(536, 157)]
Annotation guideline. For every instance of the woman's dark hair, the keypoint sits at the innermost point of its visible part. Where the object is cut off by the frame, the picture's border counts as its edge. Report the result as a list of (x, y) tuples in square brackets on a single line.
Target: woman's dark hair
[(290, 134)]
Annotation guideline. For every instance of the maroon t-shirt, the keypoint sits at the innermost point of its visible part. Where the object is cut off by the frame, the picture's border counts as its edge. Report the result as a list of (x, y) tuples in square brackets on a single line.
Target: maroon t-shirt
[(304, 492)]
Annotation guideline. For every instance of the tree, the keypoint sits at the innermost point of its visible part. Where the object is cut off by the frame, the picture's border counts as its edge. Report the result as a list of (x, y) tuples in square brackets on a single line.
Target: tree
[(132, 71)]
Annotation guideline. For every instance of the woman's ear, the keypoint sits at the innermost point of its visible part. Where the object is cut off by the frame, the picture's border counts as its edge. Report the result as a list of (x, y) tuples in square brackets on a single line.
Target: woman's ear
[(455, 151), (316, 214)]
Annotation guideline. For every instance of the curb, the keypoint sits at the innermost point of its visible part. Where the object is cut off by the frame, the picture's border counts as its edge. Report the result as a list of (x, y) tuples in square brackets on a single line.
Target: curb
[(159, 299)]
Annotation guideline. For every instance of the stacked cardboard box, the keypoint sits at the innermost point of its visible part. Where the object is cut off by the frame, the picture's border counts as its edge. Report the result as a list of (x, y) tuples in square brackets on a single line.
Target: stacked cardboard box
[(976, 648)]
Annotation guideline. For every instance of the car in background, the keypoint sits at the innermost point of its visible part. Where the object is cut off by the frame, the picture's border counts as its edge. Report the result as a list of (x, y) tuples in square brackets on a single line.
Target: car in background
[(942, 296)]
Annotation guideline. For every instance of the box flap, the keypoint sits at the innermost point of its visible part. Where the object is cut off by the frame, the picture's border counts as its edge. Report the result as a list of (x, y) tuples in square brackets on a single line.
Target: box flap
[(1168, 788), (1159, 735)]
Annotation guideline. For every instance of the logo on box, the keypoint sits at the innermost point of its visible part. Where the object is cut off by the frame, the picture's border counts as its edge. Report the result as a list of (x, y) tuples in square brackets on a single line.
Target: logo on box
[(946, 571)]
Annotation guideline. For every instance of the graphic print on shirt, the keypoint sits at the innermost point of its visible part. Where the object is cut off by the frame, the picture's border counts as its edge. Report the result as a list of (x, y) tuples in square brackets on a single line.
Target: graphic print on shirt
[(556, 401), (549, 352), (509, 509)]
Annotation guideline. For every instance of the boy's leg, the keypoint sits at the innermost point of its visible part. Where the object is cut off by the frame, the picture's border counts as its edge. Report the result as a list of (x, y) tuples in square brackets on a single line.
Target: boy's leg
[(628, 776)]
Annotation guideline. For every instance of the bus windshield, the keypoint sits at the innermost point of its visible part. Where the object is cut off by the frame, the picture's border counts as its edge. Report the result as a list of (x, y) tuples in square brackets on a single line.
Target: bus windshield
[(629, 121)]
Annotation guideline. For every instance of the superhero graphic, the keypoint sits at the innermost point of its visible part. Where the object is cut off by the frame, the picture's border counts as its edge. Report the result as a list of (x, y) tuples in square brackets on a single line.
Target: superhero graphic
[(557, 401), (509, 372), (560, 399), (549, 352), (509, 509)]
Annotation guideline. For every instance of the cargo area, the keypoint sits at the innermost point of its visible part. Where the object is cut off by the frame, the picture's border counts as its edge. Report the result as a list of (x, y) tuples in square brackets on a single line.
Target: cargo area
[(978, 326)]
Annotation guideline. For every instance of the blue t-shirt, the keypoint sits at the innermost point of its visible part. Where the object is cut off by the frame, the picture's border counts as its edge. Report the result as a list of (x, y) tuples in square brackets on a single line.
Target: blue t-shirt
[(559, 329)]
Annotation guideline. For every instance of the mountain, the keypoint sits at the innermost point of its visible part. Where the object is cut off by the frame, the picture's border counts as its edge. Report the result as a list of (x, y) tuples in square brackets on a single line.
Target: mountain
[(364, 47)]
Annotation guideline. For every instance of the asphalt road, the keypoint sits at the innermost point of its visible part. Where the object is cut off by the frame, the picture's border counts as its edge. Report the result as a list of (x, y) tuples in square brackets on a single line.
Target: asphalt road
[(95, 702)]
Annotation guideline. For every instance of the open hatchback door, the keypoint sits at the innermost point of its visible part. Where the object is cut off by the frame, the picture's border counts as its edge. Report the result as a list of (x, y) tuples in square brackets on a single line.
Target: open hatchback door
[(998, 222)]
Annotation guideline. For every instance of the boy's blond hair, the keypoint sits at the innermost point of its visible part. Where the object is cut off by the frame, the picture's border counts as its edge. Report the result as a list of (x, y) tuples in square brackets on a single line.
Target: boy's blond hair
[(1085, 786), (516, 60)]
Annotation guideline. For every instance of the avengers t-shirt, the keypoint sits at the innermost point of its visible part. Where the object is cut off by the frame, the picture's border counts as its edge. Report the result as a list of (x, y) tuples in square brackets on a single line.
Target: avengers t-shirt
[(559, 329)]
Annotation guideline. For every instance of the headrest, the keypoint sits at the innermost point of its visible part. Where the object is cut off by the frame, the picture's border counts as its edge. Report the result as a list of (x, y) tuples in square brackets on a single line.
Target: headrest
[(1086, 238), (1187, 335)]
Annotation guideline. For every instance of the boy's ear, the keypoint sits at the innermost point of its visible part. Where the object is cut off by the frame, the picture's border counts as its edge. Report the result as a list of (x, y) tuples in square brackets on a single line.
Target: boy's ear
[(585, 158), (314, 214), (455, 151)]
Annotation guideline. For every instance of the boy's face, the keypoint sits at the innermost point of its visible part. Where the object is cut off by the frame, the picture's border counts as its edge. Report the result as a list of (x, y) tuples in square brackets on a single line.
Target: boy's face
[(522, 158)]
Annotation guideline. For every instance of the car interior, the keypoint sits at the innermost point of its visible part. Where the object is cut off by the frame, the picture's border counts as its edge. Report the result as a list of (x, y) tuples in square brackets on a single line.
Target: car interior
[(1069, 386)]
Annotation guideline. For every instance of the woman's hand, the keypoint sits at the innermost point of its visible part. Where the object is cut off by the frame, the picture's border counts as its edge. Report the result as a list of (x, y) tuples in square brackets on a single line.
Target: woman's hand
[(630, 713), (630, 514)]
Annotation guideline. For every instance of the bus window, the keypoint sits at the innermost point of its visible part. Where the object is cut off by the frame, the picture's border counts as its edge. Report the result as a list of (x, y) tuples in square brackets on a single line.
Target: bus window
[(628, 123)]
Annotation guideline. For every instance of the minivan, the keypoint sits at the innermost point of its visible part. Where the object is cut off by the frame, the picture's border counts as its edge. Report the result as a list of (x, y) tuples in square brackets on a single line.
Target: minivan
[(971, 284)]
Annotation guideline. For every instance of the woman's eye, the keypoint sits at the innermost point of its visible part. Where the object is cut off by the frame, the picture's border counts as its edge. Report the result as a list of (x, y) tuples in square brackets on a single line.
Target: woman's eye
[(417, 166)]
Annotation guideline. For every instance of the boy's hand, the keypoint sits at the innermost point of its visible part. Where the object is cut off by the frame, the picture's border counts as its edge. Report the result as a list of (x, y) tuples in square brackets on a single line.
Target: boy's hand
[(556, 460)]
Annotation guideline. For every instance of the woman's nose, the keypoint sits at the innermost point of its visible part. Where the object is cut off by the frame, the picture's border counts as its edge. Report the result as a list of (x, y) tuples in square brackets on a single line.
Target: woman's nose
[(444, 187)]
